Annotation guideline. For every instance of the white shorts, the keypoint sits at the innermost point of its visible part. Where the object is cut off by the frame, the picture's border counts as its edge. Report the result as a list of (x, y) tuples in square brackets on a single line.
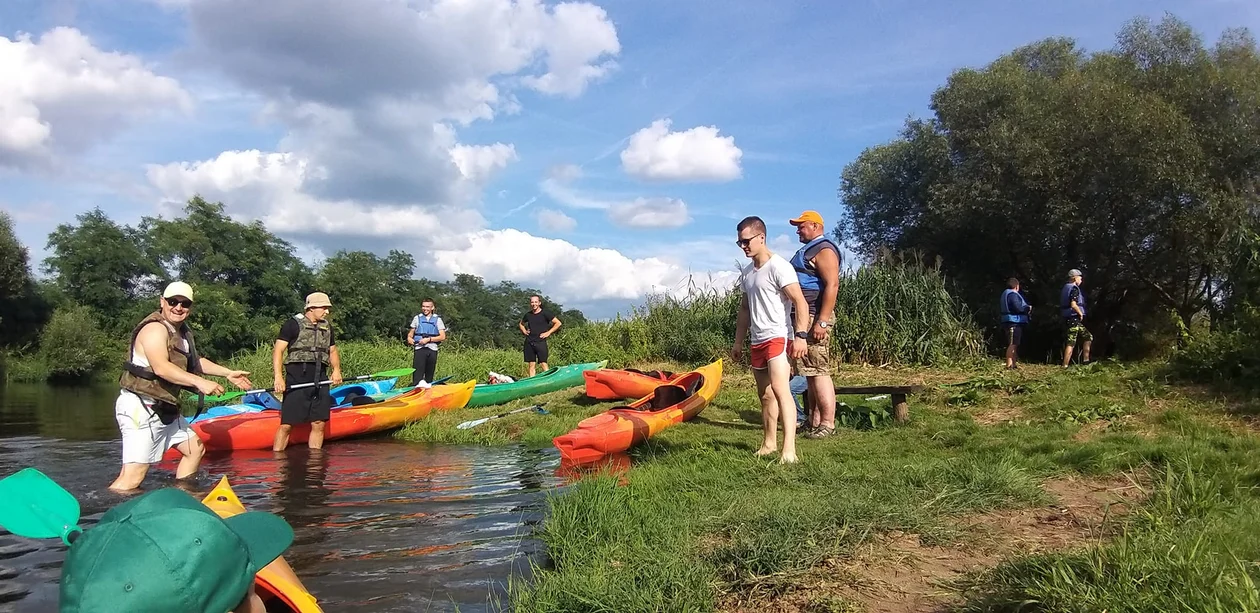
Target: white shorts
[(144, 437)]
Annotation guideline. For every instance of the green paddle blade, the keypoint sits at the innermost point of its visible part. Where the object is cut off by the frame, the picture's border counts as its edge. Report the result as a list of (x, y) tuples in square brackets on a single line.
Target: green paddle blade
[(36, 507)]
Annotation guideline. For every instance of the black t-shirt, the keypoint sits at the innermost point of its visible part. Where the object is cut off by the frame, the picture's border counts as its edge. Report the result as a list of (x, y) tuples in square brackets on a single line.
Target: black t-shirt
[(291, 328), (537, 323)]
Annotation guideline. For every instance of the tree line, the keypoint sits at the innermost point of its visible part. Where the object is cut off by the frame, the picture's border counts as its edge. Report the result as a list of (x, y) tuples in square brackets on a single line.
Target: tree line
[(1138, 165), (103, 277)]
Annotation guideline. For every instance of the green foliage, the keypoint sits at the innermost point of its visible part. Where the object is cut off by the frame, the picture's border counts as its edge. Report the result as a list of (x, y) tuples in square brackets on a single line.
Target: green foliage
[(899, 311), (103, 266), (22, 308), (1136, 165), (73, 345), (1229, 357)]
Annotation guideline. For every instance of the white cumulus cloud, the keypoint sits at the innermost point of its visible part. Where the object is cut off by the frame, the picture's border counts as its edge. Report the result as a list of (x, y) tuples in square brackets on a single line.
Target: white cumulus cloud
[(60, 94), (650, 213), (698, 154), (555, 221)]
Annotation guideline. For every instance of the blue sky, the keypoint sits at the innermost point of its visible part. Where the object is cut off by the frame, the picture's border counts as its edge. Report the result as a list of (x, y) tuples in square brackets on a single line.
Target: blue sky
[(339, 100)]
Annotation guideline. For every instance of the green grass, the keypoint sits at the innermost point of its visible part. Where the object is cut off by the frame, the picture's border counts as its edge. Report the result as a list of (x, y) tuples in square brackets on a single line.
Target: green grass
[(699, 520)]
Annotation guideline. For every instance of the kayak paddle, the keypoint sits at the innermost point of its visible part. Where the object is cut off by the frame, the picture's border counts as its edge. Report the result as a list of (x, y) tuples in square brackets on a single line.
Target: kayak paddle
[(477, 422), (400, 372), (36, 507)]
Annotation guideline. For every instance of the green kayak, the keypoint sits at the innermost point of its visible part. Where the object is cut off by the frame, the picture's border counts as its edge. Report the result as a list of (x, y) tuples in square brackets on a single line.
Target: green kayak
[(549, 380)]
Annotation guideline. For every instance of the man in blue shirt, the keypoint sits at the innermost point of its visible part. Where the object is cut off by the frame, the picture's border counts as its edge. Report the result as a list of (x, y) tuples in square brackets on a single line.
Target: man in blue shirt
[(1072, 308), (1015, 312)]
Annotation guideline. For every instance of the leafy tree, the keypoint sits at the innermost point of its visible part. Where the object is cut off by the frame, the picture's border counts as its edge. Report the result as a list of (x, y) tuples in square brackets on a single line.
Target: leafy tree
[(252, 266), (1137, 165), (22, 308), (372, 297), (102, 265)]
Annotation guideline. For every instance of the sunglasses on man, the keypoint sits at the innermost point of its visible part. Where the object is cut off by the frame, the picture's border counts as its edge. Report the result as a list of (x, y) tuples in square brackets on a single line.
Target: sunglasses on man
[(184, 302), (744, 242)]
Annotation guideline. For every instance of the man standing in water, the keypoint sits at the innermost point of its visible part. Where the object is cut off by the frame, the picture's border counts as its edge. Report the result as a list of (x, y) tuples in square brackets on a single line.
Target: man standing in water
[(1072, 308), (817, 265), (537, 325), (162, 360), (311, 350), (770, 291), (427, 330)]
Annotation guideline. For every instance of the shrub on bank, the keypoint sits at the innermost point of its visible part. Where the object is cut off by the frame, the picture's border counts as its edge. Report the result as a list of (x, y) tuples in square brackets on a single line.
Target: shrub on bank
[(73, 346)]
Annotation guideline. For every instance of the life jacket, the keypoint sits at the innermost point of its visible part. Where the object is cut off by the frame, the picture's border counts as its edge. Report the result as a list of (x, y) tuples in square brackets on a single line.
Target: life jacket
[(1065, 302), (142, 380), (313, 343), (1007, 316), (807, 273), (426, 327)]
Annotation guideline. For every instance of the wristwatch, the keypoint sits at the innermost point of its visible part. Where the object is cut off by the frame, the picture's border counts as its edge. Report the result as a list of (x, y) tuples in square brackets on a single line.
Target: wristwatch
[(799, 334), (824, 324)]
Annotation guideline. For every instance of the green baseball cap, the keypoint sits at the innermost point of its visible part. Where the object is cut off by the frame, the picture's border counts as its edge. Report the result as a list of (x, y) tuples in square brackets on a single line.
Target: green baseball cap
[(166, 551)]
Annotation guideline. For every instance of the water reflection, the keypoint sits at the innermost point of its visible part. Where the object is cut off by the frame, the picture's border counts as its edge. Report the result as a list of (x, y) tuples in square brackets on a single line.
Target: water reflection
[(379, 525)]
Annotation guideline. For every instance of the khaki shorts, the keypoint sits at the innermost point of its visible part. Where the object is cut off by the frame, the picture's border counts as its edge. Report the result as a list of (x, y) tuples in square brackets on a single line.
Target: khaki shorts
[(817, 360)]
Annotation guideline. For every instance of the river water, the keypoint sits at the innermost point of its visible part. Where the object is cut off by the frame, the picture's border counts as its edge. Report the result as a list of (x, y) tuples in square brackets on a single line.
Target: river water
[(379, 525)]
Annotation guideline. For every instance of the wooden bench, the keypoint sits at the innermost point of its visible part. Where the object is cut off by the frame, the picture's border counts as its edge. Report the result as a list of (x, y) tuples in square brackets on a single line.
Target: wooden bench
[(901, 410)]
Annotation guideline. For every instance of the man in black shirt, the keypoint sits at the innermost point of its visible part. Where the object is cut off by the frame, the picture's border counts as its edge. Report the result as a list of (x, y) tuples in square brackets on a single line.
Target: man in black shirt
[(537, 325), (303, 352)]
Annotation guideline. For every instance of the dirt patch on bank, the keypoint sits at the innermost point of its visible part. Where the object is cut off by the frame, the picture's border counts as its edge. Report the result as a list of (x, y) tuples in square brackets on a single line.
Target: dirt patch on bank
[(899, 573)]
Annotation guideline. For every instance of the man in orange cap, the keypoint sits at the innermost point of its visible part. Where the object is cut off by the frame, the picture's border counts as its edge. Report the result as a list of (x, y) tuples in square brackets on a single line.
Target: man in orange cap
[(817, 265)]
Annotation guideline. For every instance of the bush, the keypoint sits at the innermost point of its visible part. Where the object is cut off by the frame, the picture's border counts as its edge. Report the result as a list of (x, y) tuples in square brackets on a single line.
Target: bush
[(73, 345), (1230, 356)]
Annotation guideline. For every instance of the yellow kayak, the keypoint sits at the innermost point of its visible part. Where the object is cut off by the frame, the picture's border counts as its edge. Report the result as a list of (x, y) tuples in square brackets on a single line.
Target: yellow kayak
[(277, 584)]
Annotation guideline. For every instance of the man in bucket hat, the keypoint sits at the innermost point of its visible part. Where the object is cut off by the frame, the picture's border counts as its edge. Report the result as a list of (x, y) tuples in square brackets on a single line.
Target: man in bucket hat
[(165, 551), (311, 350)]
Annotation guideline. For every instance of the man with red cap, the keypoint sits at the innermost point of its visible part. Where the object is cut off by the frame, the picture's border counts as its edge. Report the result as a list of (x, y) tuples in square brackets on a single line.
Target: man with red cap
[(817, 265)]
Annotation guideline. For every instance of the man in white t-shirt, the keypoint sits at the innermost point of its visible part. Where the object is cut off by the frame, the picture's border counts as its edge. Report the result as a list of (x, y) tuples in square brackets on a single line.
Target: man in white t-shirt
[(770, 288)]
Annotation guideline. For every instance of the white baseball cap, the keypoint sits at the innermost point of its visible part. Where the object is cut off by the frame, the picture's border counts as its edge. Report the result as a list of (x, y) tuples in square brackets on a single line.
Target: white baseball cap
[(178, 288)]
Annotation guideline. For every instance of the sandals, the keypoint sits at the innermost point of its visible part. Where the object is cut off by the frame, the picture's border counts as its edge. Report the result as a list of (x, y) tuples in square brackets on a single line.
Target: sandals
[(820, 432)]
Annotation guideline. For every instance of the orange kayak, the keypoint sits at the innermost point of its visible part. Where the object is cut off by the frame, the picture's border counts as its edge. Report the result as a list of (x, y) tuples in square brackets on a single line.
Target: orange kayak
[(620, 428), (277, 584), (257, 430), (625, 383)]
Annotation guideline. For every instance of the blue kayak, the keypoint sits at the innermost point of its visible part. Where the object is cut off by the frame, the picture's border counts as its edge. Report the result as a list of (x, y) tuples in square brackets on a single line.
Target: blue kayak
[(342, 396)]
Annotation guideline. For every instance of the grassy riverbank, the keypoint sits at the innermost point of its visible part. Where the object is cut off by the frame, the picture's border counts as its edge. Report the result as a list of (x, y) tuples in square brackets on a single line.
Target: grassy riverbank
[(1098, 488)]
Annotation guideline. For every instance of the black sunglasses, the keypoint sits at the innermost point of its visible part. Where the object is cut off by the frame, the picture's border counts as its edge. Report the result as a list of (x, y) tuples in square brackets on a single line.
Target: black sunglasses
[(744, 242), (186, 303)]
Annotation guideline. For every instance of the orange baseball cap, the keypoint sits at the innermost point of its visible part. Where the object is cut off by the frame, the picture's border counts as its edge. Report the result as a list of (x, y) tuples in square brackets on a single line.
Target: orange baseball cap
[(808, 216)]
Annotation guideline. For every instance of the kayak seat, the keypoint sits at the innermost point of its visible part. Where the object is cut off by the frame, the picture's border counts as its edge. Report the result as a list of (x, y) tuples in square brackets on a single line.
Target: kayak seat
[(666, 396), (695, 386), (359, 401)]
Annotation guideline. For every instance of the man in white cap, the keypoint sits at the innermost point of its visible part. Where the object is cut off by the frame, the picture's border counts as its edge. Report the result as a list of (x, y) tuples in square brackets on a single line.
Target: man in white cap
[(311, 350), (161, 361), (1072, 308)]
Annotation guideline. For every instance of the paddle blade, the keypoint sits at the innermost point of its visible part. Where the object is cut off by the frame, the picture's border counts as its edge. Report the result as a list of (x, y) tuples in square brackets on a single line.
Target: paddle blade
[(468, 424), (36, 507), (229, 395)]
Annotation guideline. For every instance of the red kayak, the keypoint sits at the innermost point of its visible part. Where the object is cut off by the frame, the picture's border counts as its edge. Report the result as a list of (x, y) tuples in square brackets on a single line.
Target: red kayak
[(620, 428), (256, 430), (625, 383)]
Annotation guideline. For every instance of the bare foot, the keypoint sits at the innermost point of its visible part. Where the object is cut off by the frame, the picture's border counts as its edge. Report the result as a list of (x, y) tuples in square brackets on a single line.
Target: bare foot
[(787, 458), (764, 451)]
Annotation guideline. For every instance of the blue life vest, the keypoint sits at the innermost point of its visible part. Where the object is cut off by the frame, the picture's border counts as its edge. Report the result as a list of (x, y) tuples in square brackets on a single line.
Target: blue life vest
[(1007, 316), (426, 326), (1065, 302), (806, 276)]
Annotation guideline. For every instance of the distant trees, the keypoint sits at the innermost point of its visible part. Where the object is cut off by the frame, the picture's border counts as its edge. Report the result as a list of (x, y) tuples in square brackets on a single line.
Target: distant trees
[(1138, 165), (247, 282)]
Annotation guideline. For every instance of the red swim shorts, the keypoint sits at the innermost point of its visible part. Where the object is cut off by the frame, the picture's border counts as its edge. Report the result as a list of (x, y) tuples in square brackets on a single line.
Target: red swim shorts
[(762, 353)]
